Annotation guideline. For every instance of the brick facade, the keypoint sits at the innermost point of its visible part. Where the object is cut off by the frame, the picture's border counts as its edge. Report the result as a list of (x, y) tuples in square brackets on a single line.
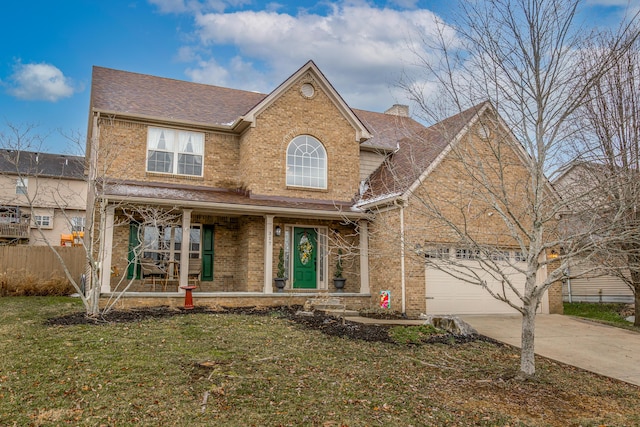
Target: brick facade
[(447, 196), (264, 147), (251, 160)]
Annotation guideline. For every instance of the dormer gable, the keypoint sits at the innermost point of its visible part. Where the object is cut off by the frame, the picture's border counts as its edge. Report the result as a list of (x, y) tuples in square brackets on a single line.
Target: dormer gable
[(315, 81)]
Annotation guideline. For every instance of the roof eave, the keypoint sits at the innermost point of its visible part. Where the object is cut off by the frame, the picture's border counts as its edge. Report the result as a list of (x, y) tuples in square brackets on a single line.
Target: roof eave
[(159, 120), (244, 209)]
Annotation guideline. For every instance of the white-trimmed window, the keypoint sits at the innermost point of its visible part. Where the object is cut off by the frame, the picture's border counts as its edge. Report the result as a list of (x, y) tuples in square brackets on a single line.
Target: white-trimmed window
[(306, 163), (175, 152), (519, 256), (22, 185), (43, 221), (77, 223)]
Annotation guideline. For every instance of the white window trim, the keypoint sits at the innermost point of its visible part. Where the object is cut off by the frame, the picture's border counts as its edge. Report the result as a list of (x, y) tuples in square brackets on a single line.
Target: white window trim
[(324, 170), (175, 149), (38, 220)]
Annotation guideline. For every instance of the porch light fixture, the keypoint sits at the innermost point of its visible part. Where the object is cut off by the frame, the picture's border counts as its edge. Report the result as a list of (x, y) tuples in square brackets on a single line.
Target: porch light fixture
[(278, 230), (553, 254)]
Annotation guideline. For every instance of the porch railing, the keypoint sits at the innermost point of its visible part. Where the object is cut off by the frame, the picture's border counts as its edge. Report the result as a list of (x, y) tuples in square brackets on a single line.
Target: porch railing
[(14, 230)]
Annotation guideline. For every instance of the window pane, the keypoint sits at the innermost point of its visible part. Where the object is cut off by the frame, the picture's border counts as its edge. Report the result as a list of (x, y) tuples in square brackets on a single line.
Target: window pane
[(160, 161), (189, 164)]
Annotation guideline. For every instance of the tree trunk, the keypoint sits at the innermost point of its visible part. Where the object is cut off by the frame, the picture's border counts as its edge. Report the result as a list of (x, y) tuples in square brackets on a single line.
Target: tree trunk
[(527, 354)]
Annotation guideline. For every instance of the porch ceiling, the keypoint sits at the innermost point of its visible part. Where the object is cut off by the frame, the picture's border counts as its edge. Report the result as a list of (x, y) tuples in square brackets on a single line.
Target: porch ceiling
[(226, 201)]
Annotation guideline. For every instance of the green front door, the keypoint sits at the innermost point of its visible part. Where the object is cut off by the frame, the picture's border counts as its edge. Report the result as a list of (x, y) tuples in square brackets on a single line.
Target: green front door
[(305, 245)]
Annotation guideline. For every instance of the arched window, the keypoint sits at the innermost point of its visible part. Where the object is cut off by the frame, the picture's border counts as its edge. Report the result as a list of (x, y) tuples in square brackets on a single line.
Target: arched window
[(306, 163)]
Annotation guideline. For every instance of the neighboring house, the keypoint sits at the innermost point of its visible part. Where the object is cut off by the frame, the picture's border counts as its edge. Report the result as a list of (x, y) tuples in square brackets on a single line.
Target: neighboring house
[(585, 282), (42, 197), (249, 174)]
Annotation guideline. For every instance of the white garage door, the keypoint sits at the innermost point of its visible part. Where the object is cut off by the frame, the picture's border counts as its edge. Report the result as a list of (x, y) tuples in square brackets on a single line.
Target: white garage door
[(448, 295)]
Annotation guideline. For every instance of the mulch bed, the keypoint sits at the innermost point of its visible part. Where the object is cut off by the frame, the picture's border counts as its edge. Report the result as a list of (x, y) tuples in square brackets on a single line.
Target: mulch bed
[(326, 324)]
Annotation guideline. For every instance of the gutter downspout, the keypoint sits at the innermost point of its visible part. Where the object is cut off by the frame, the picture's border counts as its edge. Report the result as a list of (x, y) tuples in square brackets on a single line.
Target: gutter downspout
[(402, 267), (569, 284)]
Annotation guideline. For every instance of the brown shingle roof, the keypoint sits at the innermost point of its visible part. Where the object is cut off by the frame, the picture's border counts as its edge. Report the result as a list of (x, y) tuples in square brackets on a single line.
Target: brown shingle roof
[(191, 195), (414, 155), (387, 129), (141, 94), (414, 146)]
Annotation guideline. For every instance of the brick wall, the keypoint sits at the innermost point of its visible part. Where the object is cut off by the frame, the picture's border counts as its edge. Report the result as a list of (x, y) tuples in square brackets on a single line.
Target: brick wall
[(123, 151), (263, 147), (448, 196), (384, 258)]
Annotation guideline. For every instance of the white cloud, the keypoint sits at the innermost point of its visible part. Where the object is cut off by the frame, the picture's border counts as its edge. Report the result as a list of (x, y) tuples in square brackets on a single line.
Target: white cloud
[(363, 50), (39, 82), (182, 6)]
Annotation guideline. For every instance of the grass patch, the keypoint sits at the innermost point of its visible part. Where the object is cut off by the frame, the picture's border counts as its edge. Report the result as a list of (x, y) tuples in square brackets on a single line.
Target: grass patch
[(608, 313), (412, 334), (204, 369)]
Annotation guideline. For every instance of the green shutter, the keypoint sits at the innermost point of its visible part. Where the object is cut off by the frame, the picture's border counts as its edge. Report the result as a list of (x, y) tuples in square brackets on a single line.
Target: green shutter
[(133, 243), (207, 253)]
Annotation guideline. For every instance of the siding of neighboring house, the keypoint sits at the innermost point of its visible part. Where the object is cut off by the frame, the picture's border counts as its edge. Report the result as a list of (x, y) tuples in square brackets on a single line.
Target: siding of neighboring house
[(594, 288), (58, 197)]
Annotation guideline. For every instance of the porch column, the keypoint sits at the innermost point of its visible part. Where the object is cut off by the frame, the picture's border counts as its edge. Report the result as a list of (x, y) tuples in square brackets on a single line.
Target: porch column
[(184, 249), (107, 249), (363, 225), (268, 254)]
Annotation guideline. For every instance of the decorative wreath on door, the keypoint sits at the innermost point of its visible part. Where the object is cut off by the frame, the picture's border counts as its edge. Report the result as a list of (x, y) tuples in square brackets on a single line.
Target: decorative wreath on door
[(305, 249)]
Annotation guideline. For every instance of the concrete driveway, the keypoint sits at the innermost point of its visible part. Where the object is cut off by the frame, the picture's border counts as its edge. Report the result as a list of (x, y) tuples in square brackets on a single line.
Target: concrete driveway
[(605, 350)]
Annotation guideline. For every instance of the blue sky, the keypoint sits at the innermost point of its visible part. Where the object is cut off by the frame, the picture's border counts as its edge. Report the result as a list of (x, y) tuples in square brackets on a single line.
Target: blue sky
[(49, 47)]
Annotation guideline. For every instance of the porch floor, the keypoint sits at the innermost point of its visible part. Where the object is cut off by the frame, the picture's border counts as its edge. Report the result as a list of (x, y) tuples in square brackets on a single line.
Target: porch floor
[(353, 301)]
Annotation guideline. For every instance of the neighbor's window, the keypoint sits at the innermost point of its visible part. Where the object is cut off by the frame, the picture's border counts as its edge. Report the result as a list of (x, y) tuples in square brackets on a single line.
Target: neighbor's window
[(77, 223), (21, 185), (306, 163), (42, 220), (175, 152)]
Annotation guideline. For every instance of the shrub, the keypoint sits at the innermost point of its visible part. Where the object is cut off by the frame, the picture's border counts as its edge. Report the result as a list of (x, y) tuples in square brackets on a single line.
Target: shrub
[(22, 283)]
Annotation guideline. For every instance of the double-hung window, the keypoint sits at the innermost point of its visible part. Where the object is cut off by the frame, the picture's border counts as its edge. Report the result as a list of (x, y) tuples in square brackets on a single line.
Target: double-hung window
[(43, 221), (22, 185), (175, 152)]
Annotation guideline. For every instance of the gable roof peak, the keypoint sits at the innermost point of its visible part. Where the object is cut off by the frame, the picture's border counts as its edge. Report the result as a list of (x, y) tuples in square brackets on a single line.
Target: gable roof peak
[(362, 133)]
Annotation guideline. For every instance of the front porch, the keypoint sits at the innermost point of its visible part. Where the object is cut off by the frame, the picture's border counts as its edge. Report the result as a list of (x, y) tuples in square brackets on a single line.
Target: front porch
[(237, 257), (353, 301)]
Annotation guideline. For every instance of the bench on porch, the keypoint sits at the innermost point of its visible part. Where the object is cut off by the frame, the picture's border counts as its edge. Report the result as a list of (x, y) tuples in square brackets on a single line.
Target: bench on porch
[(152, 272)]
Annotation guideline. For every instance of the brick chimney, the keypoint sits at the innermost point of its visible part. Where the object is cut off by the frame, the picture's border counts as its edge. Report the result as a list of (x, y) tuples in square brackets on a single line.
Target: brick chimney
[(398, 110)]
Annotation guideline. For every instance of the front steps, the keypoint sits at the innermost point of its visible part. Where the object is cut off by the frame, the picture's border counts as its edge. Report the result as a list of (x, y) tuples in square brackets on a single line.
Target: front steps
[(331, 306)]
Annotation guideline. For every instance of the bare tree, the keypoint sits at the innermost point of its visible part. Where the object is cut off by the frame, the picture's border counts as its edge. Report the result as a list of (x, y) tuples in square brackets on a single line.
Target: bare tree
[(20, 159), (611, 167), (523, 57)]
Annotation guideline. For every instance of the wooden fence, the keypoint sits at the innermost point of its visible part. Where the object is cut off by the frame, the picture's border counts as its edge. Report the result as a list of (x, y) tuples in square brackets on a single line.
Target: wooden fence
[(41, 262)]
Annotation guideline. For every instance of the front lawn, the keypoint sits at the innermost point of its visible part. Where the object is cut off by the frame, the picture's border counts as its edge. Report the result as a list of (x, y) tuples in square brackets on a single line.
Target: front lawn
[(203, 369)]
